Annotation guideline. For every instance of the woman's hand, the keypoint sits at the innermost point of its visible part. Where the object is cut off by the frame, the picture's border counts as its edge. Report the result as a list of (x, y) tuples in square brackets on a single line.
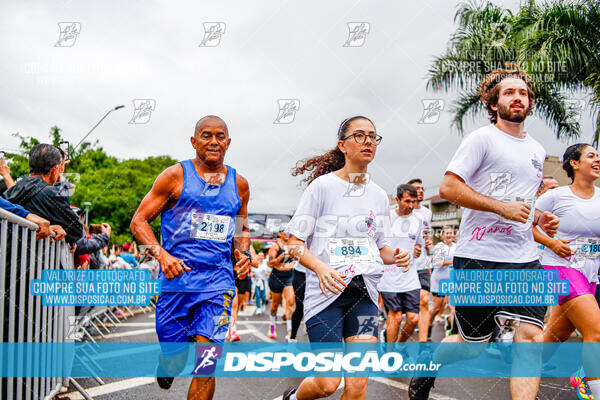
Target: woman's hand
[(329, 279), (561, 248)]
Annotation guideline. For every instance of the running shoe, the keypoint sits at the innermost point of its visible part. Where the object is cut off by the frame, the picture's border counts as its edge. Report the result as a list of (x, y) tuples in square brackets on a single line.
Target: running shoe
[(383, 335), (447, 326), (272, 332), (288, 393), (233, 336), (163, 382), (419, 387), (584, 392), (493, 350)]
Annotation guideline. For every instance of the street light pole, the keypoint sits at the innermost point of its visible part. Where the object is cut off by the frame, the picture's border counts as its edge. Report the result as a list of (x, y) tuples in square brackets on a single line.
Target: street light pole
[(87, 205), (94, 127)]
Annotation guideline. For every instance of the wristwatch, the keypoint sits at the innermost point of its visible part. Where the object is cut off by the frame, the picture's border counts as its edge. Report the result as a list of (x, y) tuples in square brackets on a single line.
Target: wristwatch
[(247, 253)]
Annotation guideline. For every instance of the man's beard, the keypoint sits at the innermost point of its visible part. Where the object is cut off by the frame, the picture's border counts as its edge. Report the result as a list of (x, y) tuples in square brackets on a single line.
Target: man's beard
[(513, 116)]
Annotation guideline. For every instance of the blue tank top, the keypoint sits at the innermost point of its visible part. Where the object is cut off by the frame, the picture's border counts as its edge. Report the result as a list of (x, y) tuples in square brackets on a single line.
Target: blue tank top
[(199, 230)]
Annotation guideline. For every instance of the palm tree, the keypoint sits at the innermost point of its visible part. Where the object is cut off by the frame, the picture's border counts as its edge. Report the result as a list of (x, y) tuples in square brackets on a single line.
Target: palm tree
[(558, 44)]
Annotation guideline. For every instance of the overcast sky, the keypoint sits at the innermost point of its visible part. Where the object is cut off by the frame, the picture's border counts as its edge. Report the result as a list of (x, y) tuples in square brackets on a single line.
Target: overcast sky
[(270, 50)]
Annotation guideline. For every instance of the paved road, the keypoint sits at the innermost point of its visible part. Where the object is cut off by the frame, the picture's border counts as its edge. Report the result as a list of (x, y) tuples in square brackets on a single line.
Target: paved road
[(254, 329)]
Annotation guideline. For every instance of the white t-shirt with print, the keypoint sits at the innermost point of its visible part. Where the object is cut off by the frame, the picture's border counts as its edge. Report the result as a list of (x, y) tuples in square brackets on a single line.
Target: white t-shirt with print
[(423, 262), (406, 232), (505, 168), (335, 220), (579, 218)]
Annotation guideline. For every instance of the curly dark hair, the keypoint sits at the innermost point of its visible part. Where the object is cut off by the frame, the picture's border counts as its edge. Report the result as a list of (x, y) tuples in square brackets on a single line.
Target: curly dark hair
[(573, 152), (331, 161), (489, 88)]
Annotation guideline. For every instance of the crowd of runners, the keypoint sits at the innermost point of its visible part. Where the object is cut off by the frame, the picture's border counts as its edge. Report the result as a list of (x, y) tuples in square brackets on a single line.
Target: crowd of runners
[(348, 254)]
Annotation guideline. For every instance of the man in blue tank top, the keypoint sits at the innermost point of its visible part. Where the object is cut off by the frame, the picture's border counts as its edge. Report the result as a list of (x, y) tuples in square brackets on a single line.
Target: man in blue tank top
[(203, 206)]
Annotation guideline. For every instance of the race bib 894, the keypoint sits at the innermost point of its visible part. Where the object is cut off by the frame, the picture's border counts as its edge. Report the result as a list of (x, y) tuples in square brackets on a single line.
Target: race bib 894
[(349, 250)]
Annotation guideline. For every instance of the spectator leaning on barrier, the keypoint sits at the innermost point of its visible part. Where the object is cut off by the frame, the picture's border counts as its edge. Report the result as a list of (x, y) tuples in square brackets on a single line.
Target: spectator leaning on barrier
[(36, 193)]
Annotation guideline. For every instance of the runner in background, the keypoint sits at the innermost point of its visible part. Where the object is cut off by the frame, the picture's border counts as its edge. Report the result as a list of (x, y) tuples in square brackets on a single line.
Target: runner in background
[(400, 291), (339, 233), (548, 183), (261, 271), (575, 254), (443, 254), (423, 262), (280, 284), (299, 283)]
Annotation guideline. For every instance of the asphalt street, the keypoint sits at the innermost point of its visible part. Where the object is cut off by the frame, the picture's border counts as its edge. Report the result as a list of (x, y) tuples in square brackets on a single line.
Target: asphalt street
[(253, 328)]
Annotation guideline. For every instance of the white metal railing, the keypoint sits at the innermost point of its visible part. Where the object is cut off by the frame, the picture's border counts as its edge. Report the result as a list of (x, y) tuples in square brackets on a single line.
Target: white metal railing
[(22, 316)]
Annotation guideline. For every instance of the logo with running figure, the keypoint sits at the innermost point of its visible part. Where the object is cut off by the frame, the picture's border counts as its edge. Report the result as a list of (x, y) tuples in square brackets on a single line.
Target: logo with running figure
[(432, 109), (213, 31), (537, 165), (142, 110), (358, 183), (68, 34), (499, 183), (367, 325), (357, 33), (575, 108), (371, 224), (287, 111), (213, 180), (75, 325), (206, 360)]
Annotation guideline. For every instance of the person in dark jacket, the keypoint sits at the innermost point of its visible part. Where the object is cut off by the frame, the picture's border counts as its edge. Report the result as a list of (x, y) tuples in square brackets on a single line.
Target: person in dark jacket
[(36, 193), (94, 242)]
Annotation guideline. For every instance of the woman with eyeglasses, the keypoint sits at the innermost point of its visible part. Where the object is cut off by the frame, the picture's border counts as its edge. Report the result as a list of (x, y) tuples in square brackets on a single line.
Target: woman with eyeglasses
[(338, 233)]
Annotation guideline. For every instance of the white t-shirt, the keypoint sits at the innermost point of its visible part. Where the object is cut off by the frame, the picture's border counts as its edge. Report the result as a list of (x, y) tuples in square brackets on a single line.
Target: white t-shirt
[(423, 262), (260, 273), (334, 224), (406, 232), (504, 168), (119, 263), (579, 219)]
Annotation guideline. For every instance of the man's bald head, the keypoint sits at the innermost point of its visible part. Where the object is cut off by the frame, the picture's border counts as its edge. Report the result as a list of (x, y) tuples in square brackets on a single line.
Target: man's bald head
[(212, 121)]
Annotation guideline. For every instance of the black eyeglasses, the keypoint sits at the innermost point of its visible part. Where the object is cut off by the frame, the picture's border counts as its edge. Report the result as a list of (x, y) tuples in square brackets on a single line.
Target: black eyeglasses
[(361, 137)]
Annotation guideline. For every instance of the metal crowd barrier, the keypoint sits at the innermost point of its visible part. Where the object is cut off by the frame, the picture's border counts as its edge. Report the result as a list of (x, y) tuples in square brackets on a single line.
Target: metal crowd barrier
[(22, 316)]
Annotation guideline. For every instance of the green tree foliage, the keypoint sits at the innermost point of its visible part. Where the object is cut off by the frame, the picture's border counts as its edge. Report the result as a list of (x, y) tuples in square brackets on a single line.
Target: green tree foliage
[(557, 43), (114, 187)]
